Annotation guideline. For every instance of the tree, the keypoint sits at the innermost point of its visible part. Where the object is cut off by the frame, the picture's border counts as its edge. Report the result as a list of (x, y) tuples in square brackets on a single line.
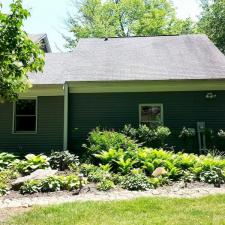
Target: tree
[(212, 21), (18, 54), (121, 18)]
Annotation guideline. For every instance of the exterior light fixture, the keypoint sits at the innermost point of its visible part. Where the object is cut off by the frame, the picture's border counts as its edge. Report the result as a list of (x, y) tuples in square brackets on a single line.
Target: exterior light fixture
[(210, 95)]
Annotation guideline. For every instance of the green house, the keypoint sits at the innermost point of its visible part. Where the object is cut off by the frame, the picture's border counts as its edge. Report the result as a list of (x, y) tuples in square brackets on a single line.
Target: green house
[(173, 80)]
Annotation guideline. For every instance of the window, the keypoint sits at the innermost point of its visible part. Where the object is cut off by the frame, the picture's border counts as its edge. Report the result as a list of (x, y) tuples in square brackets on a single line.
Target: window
[(151, 114), (25, 116)]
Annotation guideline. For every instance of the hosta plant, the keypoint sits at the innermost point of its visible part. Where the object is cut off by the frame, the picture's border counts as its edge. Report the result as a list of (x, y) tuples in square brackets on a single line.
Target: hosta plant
[(214, 176), (52, 184), (105, 185), (6, 159), (62, 160), (31, 187), (136, 182), (33, 162)]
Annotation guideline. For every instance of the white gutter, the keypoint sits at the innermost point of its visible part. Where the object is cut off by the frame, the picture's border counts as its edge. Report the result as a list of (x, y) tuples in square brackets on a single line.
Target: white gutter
[(65, 123)]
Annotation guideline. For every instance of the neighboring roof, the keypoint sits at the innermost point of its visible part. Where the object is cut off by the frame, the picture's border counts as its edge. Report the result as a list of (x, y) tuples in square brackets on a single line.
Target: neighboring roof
[(41, 39), (182, 57), (37, 37)]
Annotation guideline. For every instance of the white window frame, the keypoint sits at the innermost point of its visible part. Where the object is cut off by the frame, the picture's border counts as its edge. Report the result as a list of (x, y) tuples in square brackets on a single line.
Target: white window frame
[(151, 104), (14, 117)]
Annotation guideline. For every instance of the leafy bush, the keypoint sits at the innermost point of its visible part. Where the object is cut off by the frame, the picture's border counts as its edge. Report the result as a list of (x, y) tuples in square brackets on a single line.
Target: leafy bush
[(33, 162), (5, 177), (105, 185), (214, 176), (62, 160), (136, 182), (148, 136), (158, 181), (99, 141), (31, 187), (98, 175), (52, 184), (72, 182), (110, 155), (221, 134), (125, 165), (6, 159), (3, 189), (187, 133), (85, 169)]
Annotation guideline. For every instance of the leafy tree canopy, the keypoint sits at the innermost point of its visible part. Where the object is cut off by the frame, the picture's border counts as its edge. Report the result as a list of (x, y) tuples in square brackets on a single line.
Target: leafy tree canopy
[(120, 18), (212, 21), (18, 54)]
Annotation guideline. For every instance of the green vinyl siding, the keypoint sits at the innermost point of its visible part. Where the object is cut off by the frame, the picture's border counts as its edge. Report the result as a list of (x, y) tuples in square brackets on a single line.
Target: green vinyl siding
[(114, 110), (49, 128)]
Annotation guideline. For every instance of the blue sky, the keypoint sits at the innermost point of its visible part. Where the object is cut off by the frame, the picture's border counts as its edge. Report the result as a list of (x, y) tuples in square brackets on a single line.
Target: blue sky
[(48, 16)]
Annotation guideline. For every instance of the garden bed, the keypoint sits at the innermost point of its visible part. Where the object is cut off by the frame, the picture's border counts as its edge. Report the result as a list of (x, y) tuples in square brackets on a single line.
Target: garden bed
[(89, 193), (115, 167)]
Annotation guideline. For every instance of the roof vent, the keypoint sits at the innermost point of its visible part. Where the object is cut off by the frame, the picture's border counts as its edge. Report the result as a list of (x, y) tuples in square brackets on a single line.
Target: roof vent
[(106, 39)]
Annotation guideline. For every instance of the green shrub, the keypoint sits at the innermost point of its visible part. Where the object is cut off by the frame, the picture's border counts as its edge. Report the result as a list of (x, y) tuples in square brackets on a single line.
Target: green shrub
[(158, 181), (105, 185), (116, 178), (148, 136), (136, 182), (213, 176), (99, 141), (187, 133), (125, 165), (52, 184), (62, 160), (185, 161), (3, 189), (221, 134), (110, 155), (6, 159), (98, 175), (72, 182), (85, 169), (206, 163), (31, 187), (33, 162), (5, 177)]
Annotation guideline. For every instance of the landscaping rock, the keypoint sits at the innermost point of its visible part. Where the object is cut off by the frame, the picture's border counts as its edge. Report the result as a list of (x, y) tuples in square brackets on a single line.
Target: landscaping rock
[(159, 172), (36, 175)]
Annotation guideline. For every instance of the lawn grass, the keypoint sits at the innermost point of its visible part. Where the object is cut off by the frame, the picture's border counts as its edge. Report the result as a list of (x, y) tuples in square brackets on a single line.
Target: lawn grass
[(142, 211)]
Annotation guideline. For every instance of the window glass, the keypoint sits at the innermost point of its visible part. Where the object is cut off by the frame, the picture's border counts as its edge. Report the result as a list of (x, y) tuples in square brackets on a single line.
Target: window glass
[(151, 114), (25, 107), (25, 115)]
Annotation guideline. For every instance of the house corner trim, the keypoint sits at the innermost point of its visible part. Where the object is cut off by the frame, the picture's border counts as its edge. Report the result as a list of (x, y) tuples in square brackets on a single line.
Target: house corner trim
[(65, 123)]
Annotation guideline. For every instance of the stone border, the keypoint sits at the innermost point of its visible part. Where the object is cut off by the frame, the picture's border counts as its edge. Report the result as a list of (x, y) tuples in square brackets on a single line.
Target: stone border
[(169, 191)]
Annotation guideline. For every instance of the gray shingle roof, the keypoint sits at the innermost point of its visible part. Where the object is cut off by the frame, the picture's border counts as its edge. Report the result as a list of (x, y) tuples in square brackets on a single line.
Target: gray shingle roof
[(37, 37), (137, 58)]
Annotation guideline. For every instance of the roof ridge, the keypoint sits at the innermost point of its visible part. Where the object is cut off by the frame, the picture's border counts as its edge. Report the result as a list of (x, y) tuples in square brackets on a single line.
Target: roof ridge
[(146, 36)]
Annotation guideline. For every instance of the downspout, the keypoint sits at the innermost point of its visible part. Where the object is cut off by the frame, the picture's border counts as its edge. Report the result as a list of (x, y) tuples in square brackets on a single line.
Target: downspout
[(65, 128)]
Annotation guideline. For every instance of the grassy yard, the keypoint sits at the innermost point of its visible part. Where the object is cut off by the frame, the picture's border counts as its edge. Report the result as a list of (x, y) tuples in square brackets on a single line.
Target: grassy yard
[(143, 211)]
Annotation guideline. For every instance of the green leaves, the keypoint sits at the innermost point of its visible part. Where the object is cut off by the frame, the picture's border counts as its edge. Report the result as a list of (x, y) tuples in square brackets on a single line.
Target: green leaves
[(51, 184), (18, 54), (121, 18), (212, 22), (32, 163)]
